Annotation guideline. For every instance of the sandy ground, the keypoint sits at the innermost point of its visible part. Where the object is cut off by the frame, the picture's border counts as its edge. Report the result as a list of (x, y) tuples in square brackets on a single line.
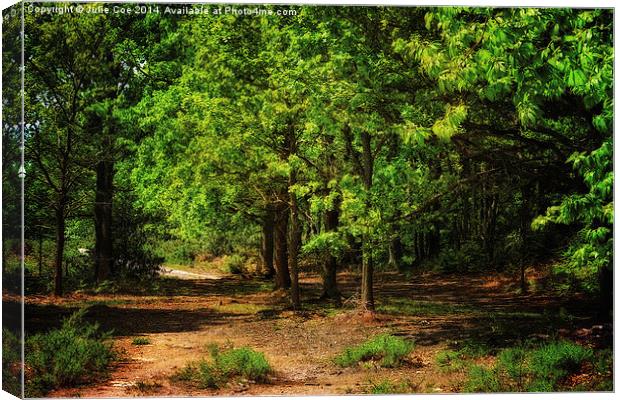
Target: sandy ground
[(194, 310)]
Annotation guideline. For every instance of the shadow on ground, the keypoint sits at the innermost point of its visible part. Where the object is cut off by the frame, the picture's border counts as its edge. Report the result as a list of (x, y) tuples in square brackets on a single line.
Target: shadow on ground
[(428, 308)]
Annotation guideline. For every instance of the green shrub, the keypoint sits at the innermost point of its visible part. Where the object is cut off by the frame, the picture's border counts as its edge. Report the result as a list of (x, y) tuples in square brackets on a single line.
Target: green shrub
[(243, 362), (141, 341), (64, 357), (386, 386), (390, 350), (483, 379), (523, 369), (455, 360), (234, 264), (11, 356), (383, 387), (450, 360), (226, 365), (556, 360)]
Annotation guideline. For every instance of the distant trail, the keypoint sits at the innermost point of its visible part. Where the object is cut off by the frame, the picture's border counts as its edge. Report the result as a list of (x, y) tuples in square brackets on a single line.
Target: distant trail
[(188, 275)]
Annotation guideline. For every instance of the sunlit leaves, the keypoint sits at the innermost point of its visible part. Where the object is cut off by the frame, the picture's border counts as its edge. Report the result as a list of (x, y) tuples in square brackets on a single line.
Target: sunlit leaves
[(449, 125)]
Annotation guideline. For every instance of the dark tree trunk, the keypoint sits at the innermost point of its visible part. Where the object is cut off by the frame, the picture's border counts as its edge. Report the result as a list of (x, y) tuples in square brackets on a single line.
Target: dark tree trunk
[(418, 247), (103, 220), (524, 231), (330, 284), (60, 249), (283, 278), (396, 253), (294, 243), (267, 245), (606, 288), (40, 253), (367, 301), (434, 242)]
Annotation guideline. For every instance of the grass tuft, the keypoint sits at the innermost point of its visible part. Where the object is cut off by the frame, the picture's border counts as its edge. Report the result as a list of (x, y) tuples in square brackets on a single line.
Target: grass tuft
[(224, 366), (141, 341), (458, 360), (389, 350), (386, 386)]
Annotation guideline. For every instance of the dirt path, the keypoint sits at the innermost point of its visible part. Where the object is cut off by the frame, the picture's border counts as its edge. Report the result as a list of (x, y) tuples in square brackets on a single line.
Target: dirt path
[(194, 310), (175, 273)]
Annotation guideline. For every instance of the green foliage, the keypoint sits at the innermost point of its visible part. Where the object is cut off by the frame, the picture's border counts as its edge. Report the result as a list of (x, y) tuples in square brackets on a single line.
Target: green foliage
[(11, 361), (530, 369), (430, 140), (554, 361), (593, 249), (226, 365), (243, 362), (325, 244), (420, 308), (387, 386), (74, 354), (457, 360), (234, 264), (141, 341), (449, 360), (388, 350)]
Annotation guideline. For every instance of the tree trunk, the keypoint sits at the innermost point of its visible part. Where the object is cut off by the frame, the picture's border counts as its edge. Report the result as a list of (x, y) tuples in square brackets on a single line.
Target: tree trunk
[(103, 220), (60, 249), (40, 253), (395, 253), (294, 243), (267, 245), (283, 278), (606, 290), (418, 247), (330, 284), (367, 301), (524, 231)]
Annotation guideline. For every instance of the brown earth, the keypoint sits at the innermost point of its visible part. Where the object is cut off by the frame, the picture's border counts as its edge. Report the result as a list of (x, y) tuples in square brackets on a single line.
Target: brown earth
[(437, 312)]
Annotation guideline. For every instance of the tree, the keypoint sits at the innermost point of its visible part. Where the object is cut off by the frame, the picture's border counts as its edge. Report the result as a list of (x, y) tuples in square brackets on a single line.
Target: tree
[(550, 72)]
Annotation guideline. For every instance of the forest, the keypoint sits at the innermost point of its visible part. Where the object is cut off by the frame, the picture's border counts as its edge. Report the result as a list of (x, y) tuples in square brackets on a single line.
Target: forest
[(297, 200)]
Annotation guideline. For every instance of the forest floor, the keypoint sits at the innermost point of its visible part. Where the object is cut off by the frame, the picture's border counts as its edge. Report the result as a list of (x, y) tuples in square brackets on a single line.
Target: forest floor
[(190, 310)]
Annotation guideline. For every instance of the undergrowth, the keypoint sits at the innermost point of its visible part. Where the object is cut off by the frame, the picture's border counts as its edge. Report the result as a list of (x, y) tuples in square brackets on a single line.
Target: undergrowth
[(76, 353), (141, 341), (386, 386), (458, 360), (542, 368), (388, 350), (11, 356), (225, 366)]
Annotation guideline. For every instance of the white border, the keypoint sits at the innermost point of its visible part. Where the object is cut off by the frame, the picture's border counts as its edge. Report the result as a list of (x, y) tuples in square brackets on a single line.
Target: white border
[(490, 3)]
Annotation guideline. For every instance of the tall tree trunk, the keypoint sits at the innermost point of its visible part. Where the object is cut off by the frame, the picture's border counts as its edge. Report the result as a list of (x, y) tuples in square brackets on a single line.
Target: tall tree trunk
[(267, 244), (103, 220), (524, 231), (367, 301), (60, 249), (395, 253), (330, 284), (418, 247), (283, 278), (606, 290), (294, 243), (40, 252)]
